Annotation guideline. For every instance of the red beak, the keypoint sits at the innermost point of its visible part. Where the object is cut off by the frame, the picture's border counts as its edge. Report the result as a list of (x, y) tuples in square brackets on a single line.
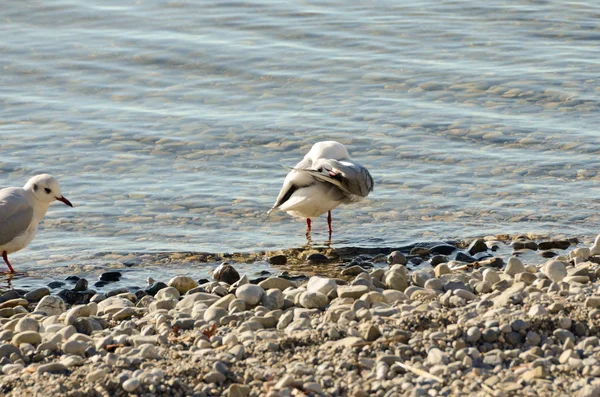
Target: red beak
[(64, 200)]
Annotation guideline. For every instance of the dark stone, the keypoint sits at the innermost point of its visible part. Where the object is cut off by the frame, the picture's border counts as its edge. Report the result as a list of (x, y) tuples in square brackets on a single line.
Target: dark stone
[(519, 325), (154, 288), (442, 249), (514, 338), (55, 284), (226, 274), (110, 276), (436, 260), (317, 258), (476, 246), (258, 280), (116, 292), (482, 255), (416, 261), (548, 254), (76, 297), (420, 251), (91, 351), (203, 281), (293, 277), (81, 285), (490, 335), (37, 294), (264, 273), (278, 260), (462, 257), (8, 295), (139, 294), (72, 279), (554, 244), (100, 284), (524, 244)]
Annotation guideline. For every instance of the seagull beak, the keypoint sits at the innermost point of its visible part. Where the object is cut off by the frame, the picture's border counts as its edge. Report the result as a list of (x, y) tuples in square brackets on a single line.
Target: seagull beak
[(64, 200)]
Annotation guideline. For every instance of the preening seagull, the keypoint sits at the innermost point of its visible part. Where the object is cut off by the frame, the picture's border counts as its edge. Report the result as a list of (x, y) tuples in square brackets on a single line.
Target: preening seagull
[(22, 209), (324, 179)]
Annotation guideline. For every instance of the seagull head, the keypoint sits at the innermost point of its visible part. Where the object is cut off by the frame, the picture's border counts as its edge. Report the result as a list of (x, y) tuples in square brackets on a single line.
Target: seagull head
[(327, 150), (46, 189)]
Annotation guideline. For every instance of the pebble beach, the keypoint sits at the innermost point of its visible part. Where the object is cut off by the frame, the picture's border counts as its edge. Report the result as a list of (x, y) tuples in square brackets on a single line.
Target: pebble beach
[(496, 316)]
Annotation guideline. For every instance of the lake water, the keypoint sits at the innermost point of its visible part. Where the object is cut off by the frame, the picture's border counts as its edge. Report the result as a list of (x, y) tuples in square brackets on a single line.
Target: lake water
[(167, 122)]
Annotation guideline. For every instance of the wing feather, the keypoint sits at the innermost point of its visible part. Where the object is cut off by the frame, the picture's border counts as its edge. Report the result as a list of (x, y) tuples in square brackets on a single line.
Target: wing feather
[(15, 214)]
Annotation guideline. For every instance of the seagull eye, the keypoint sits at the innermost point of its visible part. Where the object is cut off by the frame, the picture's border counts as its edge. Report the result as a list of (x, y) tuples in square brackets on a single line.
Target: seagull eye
[(320, 169), (48, 191)]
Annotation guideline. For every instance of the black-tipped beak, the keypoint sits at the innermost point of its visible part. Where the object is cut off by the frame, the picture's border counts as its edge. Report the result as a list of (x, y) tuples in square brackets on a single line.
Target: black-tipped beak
[(64, 200)]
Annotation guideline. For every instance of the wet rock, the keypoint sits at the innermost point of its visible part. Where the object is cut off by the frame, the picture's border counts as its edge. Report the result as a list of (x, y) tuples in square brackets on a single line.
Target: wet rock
[(226, 273), (154, 288), (524, 244), (554, 244), (462, 257), (76, 297), (55, 284), (278, 260), (442, 249), (81, 285), (317, 258), (37, 294), (116, 292), (72, 279), (110, 276), (476, 246)]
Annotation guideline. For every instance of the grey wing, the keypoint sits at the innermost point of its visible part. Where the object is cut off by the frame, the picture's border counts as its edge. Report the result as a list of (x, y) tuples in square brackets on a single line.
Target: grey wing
[(352, 178), (15, 214)]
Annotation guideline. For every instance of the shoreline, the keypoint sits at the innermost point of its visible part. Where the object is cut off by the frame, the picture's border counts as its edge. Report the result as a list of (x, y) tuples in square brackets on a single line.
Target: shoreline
[(477, 318)]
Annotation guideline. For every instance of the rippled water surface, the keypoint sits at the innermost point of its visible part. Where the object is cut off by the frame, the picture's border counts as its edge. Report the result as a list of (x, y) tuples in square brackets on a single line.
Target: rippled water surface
[(167, 122)]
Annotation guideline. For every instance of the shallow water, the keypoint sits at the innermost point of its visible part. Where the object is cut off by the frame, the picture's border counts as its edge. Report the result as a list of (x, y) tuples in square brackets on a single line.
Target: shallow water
[(167, 122)]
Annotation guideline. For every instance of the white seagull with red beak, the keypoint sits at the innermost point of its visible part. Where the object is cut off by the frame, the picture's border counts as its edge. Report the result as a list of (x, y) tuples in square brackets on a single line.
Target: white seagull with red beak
[(324, 179), (22, 209)]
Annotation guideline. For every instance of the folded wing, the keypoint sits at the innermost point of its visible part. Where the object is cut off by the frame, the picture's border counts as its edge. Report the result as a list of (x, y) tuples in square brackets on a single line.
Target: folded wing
[(15, 214), (351, 178)]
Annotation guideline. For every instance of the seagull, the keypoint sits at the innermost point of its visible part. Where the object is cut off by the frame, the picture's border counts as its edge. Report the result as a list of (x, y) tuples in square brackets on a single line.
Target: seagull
[(22, 209), (324, 179)]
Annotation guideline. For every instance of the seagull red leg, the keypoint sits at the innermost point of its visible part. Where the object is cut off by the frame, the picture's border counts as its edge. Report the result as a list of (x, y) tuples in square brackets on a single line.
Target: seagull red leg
[(308, 227), (5, 257), (329, 223)]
